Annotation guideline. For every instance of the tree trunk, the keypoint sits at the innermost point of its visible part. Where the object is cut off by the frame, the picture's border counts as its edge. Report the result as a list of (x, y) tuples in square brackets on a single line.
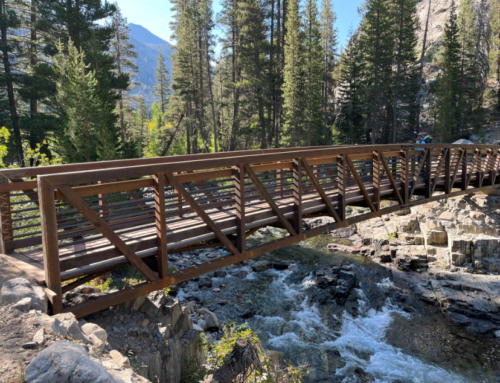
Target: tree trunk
[(420, 79), (242, 360), (10, 88), (398, 71), (209, 73)]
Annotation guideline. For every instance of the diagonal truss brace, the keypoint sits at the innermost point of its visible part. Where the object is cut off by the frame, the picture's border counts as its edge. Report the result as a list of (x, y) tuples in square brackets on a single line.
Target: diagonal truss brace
[(77, 201), (457, 166), (320, 191), (391, 179), (201, 212), (269, 200), (361, 186), (438, 169)]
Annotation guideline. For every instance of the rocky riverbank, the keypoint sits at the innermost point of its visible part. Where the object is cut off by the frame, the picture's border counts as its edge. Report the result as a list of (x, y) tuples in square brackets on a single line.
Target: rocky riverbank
[(447, 253)]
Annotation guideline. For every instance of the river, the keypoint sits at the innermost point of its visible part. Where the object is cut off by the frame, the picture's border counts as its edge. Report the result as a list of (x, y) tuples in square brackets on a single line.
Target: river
[(381, 330)]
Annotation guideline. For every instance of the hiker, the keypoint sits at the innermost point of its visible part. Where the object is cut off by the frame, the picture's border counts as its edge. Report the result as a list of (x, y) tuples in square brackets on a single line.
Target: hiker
[(420, 141)]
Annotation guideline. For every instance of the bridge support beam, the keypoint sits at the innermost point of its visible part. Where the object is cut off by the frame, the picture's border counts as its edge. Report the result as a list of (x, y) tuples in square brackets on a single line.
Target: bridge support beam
[(297, 195), (239, 190)]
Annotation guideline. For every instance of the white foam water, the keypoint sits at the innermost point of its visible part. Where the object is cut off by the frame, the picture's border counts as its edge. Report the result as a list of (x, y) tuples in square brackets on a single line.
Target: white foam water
[(361, 344), (360, 341)]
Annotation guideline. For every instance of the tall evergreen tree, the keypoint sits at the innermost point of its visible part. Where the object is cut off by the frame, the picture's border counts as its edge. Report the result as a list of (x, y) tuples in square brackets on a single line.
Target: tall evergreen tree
[(251, 57), (377, 44), (81, 22), (495, 47), (162, 82), (470, 94), (329, 43), (350, 119), (448, 82), (12, 52), (293, 96), (405, 83), (124, 55), (86, 135), (313, 70)]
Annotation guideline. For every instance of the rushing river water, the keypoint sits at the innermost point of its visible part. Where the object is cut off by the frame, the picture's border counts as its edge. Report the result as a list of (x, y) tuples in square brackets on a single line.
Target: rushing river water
[(381, 330)]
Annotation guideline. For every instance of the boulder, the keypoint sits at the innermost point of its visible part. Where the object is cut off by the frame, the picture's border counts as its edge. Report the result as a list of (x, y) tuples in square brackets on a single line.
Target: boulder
[(435, 237), (220, 274), (64, 362), (17, 289), (23, 305), (343, 248), (93, 329), (211, 320), (205, 282), (119, 359), (447, 216), (192, 354), (173, 311), (69, 322), (281, 265), (153, 303), (183, 324), (241, 274), (262, 266)]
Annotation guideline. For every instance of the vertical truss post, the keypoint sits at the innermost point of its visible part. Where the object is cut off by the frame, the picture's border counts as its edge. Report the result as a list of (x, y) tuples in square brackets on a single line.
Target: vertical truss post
[(405, 175), (447, 172), (50, 242), (161, 224), (103, 202), (464, 170), (479, 172), (5, 215), (376, 179), (428, 173), (239, 190), (496, 167), (342, 174), (297, 195)]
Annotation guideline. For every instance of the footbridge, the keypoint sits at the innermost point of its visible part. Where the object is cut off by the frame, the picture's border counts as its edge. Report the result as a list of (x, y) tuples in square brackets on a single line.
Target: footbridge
[(68, 224)]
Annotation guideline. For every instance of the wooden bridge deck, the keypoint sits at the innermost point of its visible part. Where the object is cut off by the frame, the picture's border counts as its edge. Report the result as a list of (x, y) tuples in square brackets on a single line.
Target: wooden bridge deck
[(77, 222)]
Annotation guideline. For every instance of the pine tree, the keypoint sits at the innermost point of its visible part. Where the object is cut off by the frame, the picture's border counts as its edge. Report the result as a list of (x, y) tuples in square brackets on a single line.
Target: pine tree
[(251, 57), (377, 44), (448, 82), (142, 114), (86, 135), (495, 47), (11, 51), (162, 82), (313, 70), (469, 98), (124, 56), (81, 22), (405, 82), (293, 104), (350, 119), (329, 42)]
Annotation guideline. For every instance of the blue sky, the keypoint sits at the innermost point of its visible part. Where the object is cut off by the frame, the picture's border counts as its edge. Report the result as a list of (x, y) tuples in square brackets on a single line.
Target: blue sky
[(155, 15)]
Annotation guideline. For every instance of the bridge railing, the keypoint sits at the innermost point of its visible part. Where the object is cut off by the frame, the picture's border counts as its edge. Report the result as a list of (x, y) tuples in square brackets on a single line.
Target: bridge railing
[(92, 223), (19, 204)]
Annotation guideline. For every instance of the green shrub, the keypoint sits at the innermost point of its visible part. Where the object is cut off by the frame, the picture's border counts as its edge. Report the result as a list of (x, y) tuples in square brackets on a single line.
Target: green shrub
[(269, 368)]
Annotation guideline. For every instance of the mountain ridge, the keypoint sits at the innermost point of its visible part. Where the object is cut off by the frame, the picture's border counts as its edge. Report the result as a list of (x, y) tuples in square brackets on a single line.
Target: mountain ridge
[(148, 46)]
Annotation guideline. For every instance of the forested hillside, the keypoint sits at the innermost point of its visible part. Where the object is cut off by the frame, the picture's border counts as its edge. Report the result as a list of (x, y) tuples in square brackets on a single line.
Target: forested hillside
[(76, 80)]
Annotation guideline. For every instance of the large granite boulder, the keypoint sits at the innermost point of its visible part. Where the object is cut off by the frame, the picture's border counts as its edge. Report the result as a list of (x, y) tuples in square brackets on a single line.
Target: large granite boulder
[(17, 289), (65, 362)]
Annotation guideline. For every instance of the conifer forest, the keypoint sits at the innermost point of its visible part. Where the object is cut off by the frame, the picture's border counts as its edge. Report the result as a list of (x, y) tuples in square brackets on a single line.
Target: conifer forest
[(259, 74)]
